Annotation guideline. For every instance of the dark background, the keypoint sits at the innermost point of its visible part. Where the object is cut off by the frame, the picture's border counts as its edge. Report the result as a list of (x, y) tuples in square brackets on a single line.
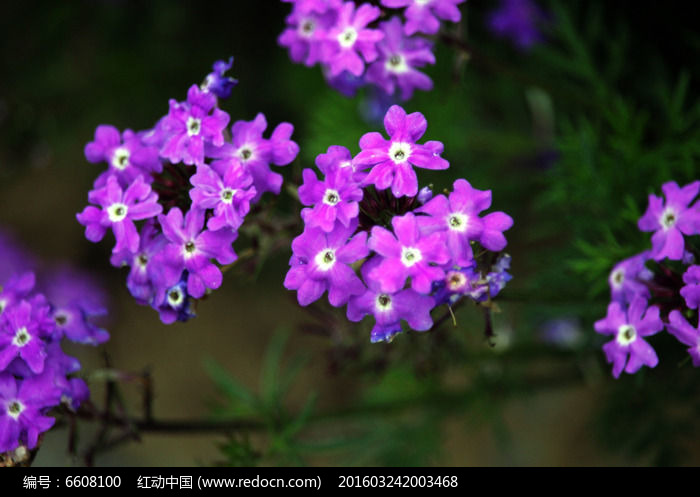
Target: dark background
[(67, 67)]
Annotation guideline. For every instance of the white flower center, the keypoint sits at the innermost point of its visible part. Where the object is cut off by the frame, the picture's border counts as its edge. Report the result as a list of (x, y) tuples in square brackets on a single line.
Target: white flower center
[(142, 260), (227, 195), (456, 281), (410, 256), (626, 334), (325, 259), (331, 197), (3, 304), (61, 318), (22, 337), (207, 83), (14, 409), (396, 64), (669, 217), (245, 153), (383, 302), (400, 152), (120, 158), (194, 126), (175, 297), (189, 249), (348, 37), (117, 212), (422, 2), (457, 222), (307, 28), (617, 278)]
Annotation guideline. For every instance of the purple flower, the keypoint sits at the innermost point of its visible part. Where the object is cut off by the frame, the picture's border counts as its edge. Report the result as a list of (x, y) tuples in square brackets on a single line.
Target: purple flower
[(458, 218), (192, 125), (216, 82), (145, 269), (305, 34), (672, 220), (321, 261), (22, 329), (349, 38), (393, 159), (399, 56), (229, 196), (627, 279), (408, 254), (628, 327), (686, 334), (256, 153), (127, 157), (518, 20), (334, 198), (21, 412), (119, 211), (389, 308), (175, 304), (421, 15), (691, 291), (460, 282), (191, 249)]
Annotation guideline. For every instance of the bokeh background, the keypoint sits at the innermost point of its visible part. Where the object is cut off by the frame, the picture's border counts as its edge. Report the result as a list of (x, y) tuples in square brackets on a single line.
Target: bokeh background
[(570, 136)]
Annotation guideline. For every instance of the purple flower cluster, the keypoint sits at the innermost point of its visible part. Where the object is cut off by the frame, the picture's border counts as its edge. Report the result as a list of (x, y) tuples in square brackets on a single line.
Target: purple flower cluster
[(414, 251), (35, 374), (355, 48), (175, 195), (518, 20), (673, 286)]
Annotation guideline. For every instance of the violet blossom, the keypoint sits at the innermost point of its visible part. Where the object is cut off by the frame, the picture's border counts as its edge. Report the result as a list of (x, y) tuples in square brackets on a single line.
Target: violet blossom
[(349, 38), (321, 261), (672, 219), (407, 254), (392, 160), (335, 198), (229, 196), (192, 125), (389, 308), (399, 56), (192, 249), (119, 211), (628, 350)]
